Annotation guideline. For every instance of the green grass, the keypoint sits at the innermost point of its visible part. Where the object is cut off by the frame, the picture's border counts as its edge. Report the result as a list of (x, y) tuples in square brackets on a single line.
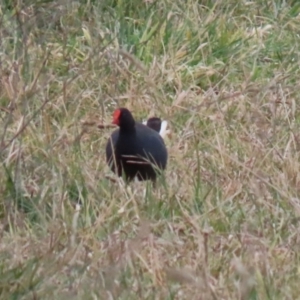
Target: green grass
[(223, 222)]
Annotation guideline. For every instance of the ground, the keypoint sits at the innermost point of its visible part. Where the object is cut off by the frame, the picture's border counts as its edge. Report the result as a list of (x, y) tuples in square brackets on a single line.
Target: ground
[(222, 222)]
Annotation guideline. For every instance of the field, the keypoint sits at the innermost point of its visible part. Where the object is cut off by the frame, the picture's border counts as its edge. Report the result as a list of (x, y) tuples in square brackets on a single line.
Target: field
[(223, 221)]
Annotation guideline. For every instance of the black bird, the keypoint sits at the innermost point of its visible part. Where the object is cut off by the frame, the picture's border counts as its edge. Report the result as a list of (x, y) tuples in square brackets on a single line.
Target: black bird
[(158, 125), (154, 123), (135, 149)]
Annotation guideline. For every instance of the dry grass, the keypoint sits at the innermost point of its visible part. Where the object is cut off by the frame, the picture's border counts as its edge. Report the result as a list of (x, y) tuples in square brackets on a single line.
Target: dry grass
[(223, 223)]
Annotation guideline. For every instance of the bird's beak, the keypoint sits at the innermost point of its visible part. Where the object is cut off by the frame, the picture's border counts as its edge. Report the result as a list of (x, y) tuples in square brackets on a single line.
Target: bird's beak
[(115, 121)]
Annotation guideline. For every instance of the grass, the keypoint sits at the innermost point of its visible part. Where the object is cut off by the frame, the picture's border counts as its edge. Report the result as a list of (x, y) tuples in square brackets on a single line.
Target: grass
[(223, 223)]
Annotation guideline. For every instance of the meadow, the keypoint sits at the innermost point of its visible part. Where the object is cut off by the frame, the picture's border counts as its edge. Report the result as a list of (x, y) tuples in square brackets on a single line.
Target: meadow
[(223, 221)]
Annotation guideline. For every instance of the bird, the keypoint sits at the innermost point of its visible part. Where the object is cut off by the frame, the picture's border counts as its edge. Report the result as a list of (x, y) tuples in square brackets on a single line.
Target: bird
[(134, 149), (158, 125)]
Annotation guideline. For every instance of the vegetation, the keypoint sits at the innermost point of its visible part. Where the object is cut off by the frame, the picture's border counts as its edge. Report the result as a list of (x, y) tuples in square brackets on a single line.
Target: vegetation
[(223, 223)]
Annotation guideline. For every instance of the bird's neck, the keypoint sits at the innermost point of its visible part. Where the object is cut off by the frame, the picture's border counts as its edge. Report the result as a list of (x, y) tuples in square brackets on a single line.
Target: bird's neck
[(127, 129)]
